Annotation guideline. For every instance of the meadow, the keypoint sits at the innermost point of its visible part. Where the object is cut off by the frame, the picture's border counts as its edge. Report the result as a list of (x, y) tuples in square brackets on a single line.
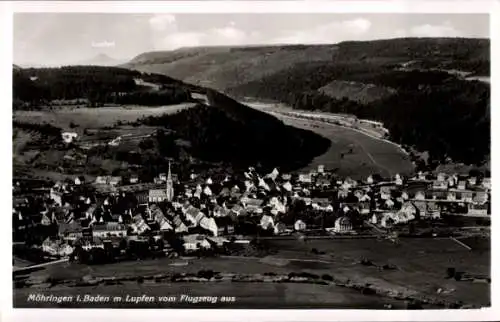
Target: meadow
[(85, 117), (354, 154), (419, 270)]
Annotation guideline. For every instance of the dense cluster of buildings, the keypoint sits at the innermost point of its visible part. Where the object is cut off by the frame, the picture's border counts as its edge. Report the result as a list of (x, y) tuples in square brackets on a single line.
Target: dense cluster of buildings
[(208, 211)]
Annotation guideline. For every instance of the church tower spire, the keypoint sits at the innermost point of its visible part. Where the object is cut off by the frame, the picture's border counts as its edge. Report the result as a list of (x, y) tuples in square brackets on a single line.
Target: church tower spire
[(170, 185)]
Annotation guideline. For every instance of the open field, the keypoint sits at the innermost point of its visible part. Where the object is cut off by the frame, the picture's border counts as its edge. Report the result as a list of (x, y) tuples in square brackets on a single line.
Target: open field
[(369, 155), (420, 270), (421, 263), (94, 117), (258, 295)]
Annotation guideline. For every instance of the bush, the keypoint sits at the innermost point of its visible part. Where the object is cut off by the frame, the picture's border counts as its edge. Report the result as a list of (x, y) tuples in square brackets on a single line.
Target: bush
[(327, 277), (450, 272), (208, 274), (308, 275), (366, 262)]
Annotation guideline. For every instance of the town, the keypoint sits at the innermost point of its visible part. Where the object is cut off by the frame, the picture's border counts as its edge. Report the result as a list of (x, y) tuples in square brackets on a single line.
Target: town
[(113, 219)]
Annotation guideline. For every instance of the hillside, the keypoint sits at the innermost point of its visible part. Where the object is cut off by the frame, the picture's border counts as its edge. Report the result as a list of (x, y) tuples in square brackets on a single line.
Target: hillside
[(93, 86), (226, 133), (356, 91), (225, 67), (413, 85)]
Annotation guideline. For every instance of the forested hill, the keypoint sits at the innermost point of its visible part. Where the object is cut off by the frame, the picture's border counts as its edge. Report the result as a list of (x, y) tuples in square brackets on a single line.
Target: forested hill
[(235, 134), (94, 86), (432, 111), (418, 87), (225, 67)]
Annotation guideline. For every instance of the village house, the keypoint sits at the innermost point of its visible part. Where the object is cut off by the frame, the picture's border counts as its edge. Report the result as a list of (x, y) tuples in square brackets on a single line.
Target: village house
[(162, 221), (180, 226), (364, 207), (385, 192), (110, 229), (461, 185), (466, 196), (343, 225), (398, 180), (101, 180), (194, 242), (225, 225), (68, 137), (252, 205), (452, 181), (56, 195), (305, 178), (440, 185), (299, 225), (56, 247), (480, 197), (421, 207), (342, 193), (220, 211), (267, 222), (217, 241), (472, 181), (79, 180), (433, 211), (210, 225), (322, 182), (395, 218), (477, 210), (45, 220), (410, 209), (157, 195), (486, 183), (88, 243), (108, 180), (139, 225), (192, 213), (280, 228), (419, 195), (70, 231)]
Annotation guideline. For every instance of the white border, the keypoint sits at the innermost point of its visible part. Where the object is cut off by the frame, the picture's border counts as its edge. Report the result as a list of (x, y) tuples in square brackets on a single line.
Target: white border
[(375, 6), (8, 314)]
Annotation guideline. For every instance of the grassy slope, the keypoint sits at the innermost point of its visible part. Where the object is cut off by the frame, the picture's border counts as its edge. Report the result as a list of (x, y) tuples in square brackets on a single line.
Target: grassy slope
[(356, 91), (225, 67)]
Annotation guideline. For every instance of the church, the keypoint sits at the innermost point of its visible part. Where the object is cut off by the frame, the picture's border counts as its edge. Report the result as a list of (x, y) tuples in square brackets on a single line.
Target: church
[(167, 194)]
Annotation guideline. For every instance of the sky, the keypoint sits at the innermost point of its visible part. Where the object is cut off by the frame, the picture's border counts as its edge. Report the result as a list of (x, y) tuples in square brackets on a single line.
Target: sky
[(69, 38)]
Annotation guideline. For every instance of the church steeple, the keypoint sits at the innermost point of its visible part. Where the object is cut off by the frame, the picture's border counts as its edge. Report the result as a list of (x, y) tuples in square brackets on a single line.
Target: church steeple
[(170, 185), (169, 175)]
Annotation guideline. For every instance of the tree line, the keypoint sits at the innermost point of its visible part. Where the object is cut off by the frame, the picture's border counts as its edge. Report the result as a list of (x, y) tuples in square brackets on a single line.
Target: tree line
[(96, 85), (430, 110)]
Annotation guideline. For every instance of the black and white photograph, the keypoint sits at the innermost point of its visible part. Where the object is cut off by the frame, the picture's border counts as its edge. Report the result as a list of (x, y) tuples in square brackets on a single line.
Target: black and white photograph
[(330, 160)]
